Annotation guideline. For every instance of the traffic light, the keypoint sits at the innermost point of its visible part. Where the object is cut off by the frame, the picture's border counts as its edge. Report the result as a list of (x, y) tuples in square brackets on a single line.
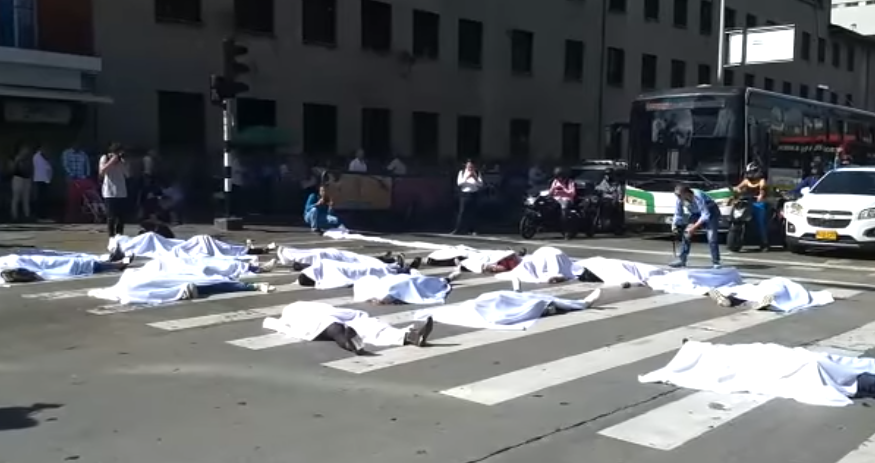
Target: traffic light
[(227, 85)]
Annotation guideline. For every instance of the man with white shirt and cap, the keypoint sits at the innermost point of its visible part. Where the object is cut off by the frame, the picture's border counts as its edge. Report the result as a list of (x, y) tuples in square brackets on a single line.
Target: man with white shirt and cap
[(470, 183)]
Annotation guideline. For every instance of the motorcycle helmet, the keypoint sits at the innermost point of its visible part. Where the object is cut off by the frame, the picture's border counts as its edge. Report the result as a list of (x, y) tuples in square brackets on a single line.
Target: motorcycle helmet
[(753, 170), (560, 172)]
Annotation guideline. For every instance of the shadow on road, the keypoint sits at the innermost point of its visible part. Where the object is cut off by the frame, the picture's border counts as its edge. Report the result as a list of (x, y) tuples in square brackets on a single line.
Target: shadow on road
[(12, 418)]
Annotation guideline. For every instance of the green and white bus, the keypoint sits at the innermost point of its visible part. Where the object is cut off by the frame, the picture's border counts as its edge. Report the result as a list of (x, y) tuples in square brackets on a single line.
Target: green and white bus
[(704, 136)]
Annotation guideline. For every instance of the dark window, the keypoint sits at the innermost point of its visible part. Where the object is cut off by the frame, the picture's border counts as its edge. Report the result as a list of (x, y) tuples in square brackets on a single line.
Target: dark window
[(520, 132), (836, 55), (468, 134), (681, 13), (851, 61), (376, 26), (706, 17), (521, 50), (571, 142), (818, 94), (616, 66), (769, 84), (617, 6), (574, 60), (254, 16), (648, 71), (803, 91), (320, 129), (178, 10), (750, 20), (704, 74), (787, 88), (426, 34), (821, 50), (426, 135), (728, 77), (377, 132), (833, 97), (254, 112), (729, 17), (678, 73), (805, 47), (319, 18), (849, 100), (470, 43), (750, 80), (181, 121), (651, 10)]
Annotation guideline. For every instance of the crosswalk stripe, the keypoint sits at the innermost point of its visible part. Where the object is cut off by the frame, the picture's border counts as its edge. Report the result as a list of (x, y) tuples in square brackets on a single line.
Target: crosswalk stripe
[(695, 415), (516, 384), (401, 355), (287, 288), (865, 453)]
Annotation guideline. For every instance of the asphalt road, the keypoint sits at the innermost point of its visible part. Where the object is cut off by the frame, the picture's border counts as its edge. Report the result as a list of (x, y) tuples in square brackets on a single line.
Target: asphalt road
[(200, 382)]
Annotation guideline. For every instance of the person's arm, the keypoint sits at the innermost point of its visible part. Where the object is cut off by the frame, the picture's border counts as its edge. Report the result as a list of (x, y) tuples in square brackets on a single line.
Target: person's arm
[(678, 213), (460, 178), (106, 161), (67, 163), (740, 186), (553, 187), (704, 213), (763, 188), (311, 202)]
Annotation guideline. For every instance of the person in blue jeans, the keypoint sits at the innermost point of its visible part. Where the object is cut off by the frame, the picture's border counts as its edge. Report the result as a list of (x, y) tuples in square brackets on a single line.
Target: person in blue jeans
[(319, 213), (704, 214), (754, 185)]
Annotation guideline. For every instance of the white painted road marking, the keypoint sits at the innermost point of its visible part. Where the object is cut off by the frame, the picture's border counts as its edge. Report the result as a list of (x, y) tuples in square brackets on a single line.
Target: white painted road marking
[(865, 453)]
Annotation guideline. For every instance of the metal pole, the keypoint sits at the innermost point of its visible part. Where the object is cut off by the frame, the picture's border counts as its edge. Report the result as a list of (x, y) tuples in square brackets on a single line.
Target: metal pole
[(228, 123), (721, 40)]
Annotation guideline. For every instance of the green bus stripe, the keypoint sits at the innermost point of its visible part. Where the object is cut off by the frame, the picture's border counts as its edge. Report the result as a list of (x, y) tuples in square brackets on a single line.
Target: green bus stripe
[(645, 196)]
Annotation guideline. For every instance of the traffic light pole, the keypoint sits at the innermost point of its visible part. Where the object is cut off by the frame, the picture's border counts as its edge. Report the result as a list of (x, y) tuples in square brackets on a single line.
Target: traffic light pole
[(228, 123)]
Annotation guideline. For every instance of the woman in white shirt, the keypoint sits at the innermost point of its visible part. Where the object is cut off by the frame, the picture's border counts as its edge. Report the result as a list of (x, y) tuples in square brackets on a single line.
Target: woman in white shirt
[(470, 185), (113, 172)]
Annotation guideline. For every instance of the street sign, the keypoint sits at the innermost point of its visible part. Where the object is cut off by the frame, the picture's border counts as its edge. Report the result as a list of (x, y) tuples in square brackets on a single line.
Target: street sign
[(769, 44)]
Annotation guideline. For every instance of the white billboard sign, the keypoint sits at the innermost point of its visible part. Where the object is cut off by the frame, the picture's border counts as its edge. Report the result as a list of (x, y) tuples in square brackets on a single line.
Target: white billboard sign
[(770, 44)]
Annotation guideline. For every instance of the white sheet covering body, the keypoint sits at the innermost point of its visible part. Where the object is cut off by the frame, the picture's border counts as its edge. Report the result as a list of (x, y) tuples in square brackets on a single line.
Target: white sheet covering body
[(411, 289), (52, 265), (543, 265), (615, 272), (306, 320), (789, 296), (164, 280), (288, 256), (501, 310), (695, 281), (765, 369), (155, 246), (333, 274)]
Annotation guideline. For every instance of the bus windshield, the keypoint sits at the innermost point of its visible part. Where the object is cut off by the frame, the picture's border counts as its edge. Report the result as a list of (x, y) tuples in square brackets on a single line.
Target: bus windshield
[(686, 134)]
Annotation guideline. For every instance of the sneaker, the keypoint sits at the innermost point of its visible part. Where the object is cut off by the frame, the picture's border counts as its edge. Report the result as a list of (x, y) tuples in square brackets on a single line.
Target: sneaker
[(272, 247), (678, 264), (716, 266), (268, 266), (128, 259), (250, 244), (189, 292), (762, 304), (419, 336), (719, 298), (399, 260), (455, 274), (416, 263), (116, 254), (593, 297), (516, 284), (265, 287)]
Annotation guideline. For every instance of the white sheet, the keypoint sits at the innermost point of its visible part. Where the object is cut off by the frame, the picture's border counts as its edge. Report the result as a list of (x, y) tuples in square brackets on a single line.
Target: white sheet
[(288, 256), (789, 296), (306, 320), (695, 281), (543, 265), (164, 280), (502, 310), (615, 272), (51, 265), (765, 369), (411, 289), (333, 274), (154, 246)]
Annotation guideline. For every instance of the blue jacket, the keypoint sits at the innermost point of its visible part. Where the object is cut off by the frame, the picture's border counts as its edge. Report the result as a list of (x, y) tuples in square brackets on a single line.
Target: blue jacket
[(311, 203), (807, 182), (702, 206)]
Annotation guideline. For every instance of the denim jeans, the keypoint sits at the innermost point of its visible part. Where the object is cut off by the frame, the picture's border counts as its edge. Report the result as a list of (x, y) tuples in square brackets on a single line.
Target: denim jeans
[(226, 287), (712, 230), (760, 212), (320, 219)]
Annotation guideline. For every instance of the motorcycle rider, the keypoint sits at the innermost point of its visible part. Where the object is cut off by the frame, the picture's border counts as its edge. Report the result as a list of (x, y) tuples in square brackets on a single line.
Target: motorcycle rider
[(704, 213), (608, 186), (754, 185), (563, 191)]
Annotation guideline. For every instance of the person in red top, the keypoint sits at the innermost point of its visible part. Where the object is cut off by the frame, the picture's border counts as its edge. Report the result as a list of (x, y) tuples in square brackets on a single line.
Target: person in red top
[(563, 190)]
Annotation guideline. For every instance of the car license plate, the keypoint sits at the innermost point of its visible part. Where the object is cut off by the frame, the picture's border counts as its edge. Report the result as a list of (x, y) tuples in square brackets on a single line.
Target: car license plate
[(826, 235)]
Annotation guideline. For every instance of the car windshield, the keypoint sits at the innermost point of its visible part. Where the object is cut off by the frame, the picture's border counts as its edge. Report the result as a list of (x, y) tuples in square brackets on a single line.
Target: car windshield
[(588, 175), (847, 182)]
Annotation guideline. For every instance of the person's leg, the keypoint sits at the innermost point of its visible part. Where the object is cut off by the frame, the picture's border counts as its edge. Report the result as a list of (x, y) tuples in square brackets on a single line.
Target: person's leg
[(473, 213), (865, 386), (25, 197), (121, 215), (760, 216), (345, 337), (15, 198), (311, 219), (111, 207), (331, 221), (462, 213), (713, 235), (231, 287), (304, 280)]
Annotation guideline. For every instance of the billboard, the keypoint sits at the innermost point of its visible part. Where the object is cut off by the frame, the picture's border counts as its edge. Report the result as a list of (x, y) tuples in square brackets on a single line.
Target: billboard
[(770, 44)]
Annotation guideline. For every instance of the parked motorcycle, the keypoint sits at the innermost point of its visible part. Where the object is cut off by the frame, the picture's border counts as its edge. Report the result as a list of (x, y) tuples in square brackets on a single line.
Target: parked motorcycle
[(743, 231), (541, 213)]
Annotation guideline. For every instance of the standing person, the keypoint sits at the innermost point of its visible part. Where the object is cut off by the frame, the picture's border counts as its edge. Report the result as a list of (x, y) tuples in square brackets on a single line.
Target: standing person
[(22, 176), (564, 192), (397, 166), (358, 164), (704, 213), (77, 168), (470, 183), (42, 178), (113, 172)]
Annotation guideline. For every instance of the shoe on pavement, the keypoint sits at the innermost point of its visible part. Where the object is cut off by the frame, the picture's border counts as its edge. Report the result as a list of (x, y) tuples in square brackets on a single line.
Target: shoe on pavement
[(265, 287), (272, 247), (678, 264), (419, 336), (189, 292), (762, 304), (455, 274), (268, 266), (719, 298), (593, 297)]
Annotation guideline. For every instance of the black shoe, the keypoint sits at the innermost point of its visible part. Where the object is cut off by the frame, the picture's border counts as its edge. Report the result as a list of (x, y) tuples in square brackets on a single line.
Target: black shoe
[(297, 266), (416, 263), (522, 252), (116, 254), (350, 341), (399, 260), (419, 336)]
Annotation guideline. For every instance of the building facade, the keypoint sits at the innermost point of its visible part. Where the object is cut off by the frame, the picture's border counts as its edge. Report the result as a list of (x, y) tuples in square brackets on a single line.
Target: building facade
[(856, 15), (495, 79)]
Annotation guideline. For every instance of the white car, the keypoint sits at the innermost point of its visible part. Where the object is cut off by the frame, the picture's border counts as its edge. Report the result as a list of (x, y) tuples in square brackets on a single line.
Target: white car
[(838, 212)]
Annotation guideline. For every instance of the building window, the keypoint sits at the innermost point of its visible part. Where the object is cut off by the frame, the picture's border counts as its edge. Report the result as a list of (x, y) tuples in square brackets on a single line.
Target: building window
[(571, 141), (803, 91), (706, 17), (787, 88), (681, 13), (836, 55), (521, 49), (818, 94), (468, 137), (470, 43), (254, 16), (728, 77), (377, 132), (18, 24), (181, 121), (648, 71), (750, 80), (319, 18), (616, 68), (426, 34), (254, 112), (320, 129), (729, 18), (821, 50), (178, 11), (520, 133), (704, 74), (574, 57), (805, 47), (617, 6), (769, 84), (678, 73), (651, 10), (851, 61), (849, 100), (426, 135), (750, 20), (376, 26), (833, 97)]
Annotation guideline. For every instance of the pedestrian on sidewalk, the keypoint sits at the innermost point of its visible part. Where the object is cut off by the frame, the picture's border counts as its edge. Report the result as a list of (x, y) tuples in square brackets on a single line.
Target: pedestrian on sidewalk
[(22, 176), (470, 184), (77, 167), (113, 173), (42, 180)]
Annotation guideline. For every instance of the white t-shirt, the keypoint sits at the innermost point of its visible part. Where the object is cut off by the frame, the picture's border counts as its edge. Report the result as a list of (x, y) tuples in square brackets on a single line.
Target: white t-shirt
[(115, 183), (358, 165), (397, 167), (469, 183)]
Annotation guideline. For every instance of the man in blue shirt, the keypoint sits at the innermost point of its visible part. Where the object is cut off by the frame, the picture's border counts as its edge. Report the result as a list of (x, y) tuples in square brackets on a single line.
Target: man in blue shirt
[(809, 181), (704, 214)]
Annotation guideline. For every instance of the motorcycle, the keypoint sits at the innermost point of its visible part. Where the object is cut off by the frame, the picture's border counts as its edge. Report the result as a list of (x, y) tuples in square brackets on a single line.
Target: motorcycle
[(541, 212), (742, 229)]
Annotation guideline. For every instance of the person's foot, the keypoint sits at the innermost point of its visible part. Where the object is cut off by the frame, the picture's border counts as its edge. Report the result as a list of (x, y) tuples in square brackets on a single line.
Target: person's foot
[(473, 233), (189, 292), (316, 231), (516, 284), (416, 263), (399, 260), (677, 264), (350, 341), (298, 267), (265, 287), (128, 259), (457, 262), (716, 265), (684, 341), (387, 255), (272, 247), (593, 297), (116, 255), (719, 298), (455, 232), (762, 304), (268, 266), (250, 244), (454, 275), (419, 336), (522, 252), (765, 248)]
